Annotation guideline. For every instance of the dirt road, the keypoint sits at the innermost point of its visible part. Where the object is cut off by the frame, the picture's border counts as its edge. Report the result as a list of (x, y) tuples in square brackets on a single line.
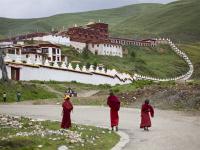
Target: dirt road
[(171, 130)]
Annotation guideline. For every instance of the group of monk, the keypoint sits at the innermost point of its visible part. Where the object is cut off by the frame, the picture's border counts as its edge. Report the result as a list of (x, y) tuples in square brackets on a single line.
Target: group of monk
[(113, 102)]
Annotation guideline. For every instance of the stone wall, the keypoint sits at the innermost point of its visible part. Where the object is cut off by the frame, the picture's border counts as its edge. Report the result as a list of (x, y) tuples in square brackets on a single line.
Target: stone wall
[(183, 77)]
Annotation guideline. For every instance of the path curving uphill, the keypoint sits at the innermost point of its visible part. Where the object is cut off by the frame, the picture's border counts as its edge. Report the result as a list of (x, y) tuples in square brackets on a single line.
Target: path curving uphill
[(171, 130), (183, 55)]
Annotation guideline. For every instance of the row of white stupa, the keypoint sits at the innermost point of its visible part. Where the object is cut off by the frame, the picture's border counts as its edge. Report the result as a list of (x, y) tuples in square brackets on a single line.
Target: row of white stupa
[(38, 62), (182, 77)]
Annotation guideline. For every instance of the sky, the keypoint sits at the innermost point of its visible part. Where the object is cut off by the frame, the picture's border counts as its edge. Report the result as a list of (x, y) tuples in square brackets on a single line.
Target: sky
[(44, 8)]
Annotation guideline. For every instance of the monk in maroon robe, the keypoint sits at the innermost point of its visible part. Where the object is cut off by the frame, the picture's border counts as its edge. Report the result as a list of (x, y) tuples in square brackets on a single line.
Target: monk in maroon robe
[(67, 108), (114, 104), (146, 111)]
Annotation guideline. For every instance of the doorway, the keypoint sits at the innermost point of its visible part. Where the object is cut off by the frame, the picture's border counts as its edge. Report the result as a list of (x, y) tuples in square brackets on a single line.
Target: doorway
[(15, 73)]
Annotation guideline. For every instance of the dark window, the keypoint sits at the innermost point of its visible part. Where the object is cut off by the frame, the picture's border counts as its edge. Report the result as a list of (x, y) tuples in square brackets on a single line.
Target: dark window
[(54, 58), (53, 50), (44, 50), (17, 51)]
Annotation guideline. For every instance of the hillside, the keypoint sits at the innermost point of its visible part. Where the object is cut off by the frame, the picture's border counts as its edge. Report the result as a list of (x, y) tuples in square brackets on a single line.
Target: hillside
[(160, 61), (177, 19), (110, 16)]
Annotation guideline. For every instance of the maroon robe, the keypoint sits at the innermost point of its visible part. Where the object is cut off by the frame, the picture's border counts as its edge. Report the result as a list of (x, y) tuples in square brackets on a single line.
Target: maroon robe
[(66, 120), (114, 104), (145, 116)]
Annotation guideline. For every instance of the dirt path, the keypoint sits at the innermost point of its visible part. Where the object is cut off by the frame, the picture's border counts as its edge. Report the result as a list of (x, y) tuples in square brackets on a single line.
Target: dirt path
[(83, 93), (87, 93), (50, 89), (171, 130)]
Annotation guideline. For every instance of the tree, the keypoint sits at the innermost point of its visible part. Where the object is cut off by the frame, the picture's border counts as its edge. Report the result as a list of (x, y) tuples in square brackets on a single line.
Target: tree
[(88, 65), (3, 66), (85, 53)]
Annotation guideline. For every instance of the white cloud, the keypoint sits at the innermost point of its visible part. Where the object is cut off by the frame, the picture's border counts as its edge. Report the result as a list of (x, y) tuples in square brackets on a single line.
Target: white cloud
[(43, 8)]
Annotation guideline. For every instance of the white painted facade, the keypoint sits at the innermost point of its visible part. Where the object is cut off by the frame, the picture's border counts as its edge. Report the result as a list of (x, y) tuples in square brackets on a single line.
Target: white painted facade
[(6, 44), (53, 73), (51, 53), (54, 39), (24, 58), (99, 49), (79, 46), (106, 49), (54, 53)]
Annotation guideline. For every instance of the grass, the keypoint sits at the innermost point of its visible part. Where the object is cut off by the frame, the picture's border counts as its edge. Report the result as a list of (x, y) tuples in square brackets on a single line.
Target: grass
[(193, 52), (92, 137), (135, 21), (63, 86), (29, 91), (160, 61)]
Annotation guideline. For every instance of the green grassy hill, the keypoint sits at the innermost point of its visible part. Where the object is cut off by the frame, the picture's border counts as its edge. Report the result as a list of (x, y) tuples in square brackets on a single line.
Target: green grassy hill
[(160, 61), (177, 19), (110, 16)]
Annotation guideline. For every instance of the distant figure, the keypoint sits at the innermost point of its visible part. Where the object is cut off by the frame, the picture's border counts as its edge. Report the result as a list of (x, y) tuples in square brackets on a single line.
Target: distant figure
[(146, 111), (4, 96), (67, 108), (69, 92), (18, 96), (114, 103)]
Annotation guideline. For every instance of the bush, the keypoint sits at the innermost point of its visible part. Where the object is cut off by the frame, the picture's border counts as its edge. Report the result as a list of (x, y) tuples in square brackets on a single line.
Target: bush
[(105, 86)]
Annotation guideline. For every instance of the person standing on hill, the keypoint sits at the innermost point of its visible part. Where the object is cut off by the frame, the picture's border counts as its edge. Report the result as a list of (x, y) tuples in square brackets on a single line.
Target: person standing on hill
[(146, 111), (67, 108), (4, 96), (114, 103)]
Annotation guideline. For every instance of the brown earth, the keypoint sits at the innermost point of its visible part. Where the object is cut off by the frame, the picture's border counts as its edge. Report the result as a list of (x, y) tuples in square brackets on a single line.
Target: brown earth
[(179, 96)]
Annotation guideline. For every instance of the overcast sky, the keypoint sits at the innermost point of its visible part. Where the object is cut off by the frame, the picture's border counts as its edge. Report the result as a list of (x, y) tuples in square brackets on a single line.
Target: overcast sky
[(44, 8)]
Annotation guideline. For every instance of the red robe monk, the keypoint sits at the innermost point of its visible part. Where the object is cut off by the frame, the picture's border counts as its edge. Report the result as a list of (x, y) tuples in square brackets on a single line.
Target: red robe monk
[(67, 108), (146, 111), (114, 104)]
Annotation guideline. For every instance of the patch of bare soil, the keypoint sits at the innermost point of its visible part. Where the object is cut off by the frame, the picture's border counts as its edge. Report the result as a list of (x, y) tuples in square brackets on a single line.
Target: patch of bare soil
[(177, 96)]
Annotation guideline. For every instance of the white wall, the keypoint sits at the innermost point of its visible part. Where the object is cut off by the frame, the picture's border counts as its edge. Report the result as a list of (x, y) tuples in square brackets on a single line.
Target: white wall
[(106, 49), (6, 44), (23, 57), (54, 39), (78, 46), (42, 73)]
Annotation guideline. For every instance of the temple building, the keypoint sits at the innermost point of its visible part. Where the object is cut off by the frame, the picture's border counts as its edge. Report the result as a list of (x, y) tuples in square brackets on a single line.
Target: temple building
[(94, 37)]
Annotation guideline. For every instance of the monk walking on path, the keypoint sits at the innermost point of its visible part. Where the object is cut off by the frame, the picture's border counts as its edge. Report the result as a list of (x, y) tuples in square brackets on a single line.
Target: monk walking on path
[(114, 104), (145, 116), (67, 108)]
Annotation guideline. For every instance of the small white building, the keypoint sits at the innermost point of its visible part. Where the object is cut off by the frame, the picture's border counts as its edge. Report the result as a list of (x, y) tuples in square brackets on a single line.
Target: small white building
[(106, 49), (39, 52)]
